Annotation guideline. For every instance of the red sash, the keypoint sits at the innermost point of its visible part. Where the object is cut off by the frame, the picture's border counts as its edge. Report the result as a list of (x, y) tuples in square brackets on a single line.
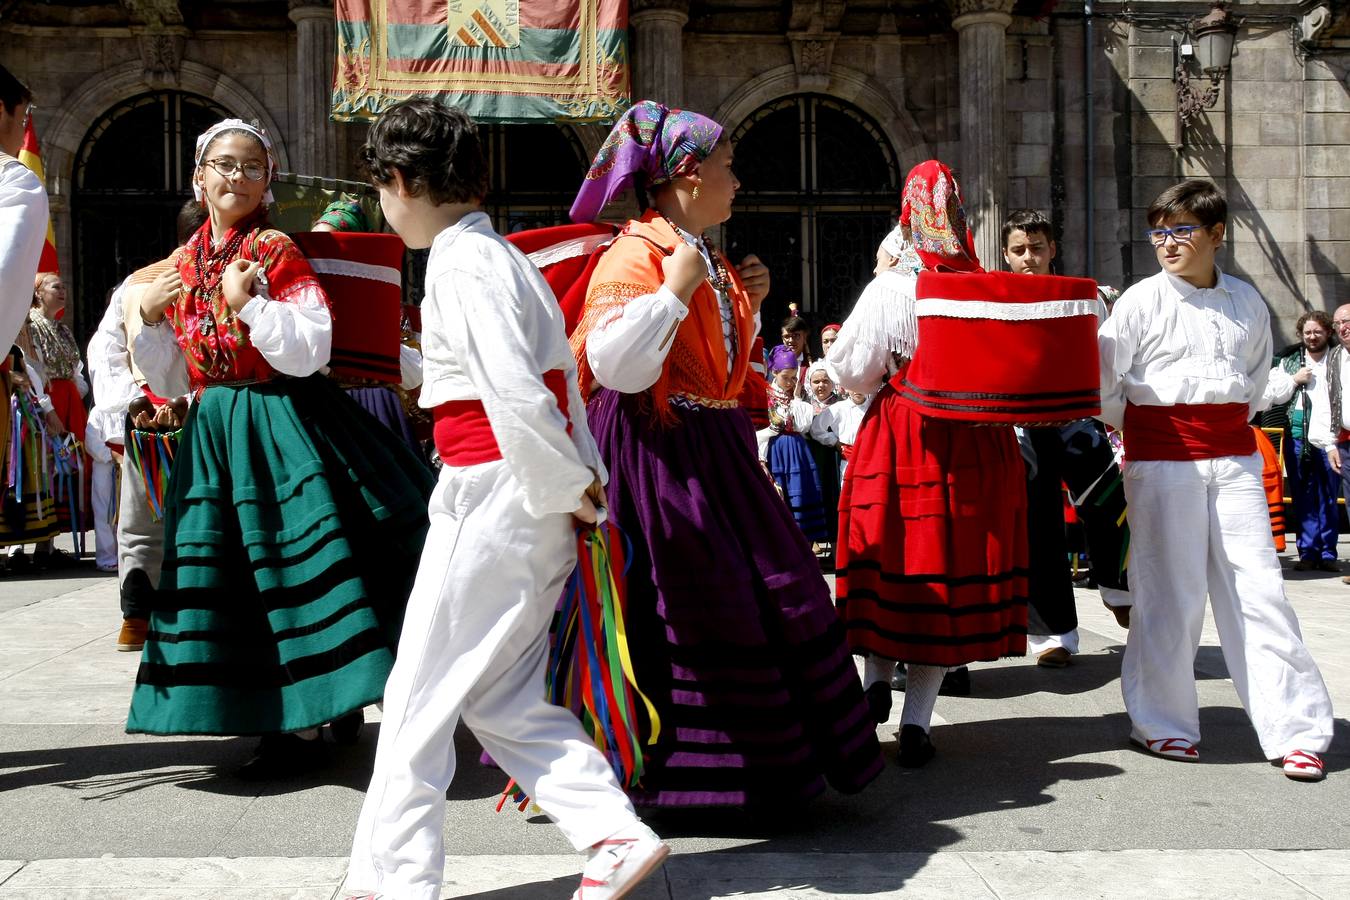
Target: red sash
[(464, 435), (1194, 431)]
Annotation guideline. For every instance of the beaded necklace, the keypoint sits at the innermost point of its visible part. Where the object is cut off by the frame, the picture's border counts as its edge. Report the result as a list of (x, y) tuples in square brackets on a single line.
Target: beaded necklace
[(718, 276)]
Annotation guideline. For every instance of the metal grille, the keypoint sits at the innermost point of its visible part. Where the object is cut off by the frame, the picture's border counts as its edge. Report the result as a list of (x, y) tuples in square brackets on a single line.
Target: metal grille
[(819, 190), (132, 173)]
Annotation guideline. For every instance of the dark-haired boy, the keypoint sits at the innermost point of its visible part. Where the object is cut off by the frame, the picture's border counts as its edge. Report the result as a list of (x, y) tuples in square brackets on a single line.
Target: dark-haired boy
[(23, 212), (520, 468), (1077, 455), (1185, 356)]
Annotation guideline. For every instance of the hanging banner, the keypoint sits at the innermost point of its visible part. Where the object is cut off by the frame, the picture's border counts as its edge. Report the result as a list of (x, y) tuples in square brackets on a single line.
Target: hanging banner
[(498, 60)]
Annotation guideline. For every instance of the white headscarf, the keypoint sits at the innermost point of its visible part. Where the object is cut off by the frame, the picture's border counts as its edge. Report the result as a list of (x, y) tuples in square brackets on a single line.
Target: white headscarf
[(209, 135)]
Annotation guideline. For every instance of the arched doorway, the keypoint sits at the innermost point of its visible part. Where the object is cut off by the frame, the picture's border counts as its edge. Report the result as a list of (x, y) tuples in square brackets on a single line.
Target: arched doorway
[(132, 173), (535, 172), (819, 190)]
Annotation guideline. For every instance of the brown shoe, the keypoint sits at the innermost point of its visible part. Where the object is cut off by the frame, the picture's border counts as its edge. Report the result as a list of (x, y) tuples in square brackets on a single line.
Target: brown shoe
[(132, 636), (1345, 579), (1305, 565), (1054, 658), (1329, 565), (1122, 614)]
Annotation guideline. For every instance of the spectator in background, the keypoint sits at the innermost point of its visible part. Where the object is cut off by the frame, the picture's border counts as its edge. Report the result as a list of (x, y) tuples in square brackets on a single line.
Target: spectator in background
[(1312, 481)]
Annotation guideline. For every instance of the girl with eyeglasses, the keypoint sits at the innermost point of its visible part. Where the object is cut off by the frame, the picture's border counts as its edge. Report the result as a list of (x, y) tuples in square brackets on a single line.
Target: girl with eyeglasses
[(293, 528)]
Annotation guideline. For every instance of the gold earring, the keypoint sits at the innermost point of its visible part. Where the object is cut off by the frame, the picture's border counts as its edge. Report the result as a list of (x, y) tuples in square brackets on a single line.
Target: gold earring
[(695, 194)]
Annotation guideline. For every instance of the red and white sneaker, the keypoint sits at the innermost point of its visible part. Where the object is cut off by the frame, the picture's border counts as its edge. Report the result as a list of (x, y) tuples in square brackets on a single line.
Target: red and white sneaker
[(618, 863), (1304, 765), (1170, 748)]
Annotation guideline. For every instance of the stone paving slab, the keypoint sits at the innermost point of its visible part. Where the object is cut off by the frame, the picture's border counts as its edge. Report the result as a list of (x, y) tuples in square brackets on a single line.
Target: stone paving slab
[(1080, 875)]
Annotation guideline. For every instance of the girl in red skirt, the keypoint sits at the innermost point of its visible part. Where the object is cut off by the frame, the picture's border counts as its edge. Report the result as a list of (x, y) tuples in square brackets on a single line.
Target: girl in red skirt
[(932, 553)]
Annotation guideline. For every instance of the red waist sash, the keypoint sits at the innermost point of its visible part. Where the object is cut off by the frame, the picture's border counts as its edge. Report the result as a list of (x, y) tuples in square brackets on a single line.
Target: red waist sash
[(464, 435), (1196, 431)]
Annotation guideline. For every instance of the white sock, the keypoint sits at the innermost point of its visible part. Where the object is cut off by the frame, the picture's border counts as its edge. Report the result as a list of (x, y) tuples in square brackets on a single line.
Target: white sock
[(876, 669), (921, 692)]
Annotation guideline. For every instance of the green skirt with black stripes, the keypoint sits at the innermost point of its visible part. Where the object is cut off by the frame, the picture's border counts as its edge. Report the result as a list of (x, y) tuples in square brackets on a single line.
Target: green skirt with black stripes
[(293, 529)]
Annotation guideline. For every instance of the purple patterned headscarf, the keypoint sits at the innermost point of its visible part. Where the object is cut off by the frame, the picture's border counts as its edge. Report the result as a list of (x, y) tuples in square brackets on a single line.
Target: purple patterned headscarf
[(783, 358), (649, 139)]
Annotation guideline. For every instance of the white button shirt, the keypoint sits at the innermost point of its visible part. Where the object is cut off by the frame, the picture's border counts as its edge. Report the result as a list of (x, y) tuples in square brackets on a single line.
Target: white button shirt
[(1169, 343), (490, 329)]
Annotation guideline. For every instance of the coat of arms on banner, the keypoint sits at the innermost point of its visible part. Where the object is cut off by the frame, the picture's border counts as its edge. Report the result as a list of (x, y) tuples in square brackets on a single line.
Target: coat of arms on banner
[(484, 23), (499, 60)]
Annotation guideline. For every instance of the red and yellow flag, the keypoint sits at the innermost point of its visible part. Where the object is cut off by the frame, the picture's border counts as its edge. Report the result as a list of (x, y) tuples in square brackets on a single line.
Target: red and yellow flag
[(31, 156)]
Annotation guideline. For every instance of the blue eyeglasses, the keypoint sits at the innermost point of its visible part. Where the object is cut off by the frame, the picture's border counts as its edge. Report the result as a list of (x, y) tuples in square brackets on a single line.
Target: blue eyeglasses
[(1182, 234)]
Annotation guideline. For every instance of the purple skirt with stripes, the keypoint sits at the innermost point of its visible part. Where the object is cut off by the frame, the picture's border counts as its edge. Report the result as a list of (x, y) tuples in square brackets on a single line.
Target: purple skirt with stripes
[(733, 633)]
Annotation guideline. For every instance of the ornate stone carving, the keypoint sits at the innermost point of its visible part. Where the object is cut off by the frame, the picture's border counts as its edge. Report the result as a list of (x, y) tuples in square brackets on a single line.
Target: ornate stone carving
[(161, 53), (970, 7), (155, 14), (816, 15), (811, 54)]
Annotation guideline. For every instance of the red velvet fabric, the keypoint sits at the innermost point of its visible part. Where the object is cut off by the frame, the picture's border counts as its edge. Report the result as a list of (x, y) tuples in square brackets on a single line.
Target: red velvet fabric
[(464, 435), (1187, 431)]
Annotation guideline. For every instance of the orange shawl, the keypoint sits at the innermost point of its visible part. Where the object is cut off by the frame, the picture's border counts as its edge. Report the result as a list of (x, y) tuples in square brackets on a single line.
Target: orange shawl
[(697, 363)]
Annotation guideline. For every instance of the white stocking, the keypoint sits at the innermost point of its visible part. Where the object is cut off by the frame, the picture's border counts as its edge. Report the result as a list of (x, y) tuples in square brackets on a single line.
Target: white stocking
[(921, 692), (877, 670)]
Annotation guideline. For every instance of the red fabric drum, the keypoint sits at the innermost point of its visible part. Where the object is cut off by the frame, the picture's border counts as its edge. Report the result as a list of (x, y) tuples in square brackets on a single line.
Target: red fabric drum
[(1002, 349), (362, 275)]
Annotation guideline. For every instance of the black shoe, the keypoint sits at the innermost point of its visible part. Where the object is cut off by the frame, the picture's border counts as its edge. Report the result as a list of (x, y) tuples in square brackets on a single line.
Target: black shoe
[(898, 680), (916, 748), (346, 729), (19, 563), (956, 683), (878, 698), (284, 756), (55, 560)]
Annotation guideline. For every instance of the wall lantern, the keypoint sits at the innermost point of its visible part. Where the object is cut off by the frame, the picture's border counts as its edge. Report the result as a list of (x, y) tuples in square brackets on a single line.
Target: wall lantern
[(1213, 50)]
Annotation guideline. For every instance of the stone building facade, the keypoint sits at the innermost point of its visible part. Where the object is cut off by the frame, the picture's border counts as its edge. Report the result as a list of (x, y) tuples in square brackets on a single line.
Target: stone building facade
[(830, 102)]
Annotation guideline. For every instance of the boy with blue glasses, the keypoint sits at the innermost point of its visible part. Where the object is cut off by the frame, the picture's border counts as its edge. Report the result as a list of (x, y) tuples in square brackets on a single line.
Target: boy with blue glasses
[(1185, 356)]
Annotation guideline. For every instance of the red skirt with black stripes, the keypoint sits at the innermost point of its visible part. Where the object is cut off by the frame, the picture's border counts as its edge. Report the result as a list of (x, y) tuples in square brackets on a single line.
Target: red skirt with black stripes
[(932, 551)]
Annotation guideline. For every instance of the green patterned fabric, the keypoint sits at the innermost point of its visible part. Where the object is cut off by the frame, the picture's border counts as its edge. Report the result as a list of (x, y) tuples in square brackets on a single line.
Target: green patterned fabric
[(292, 535)]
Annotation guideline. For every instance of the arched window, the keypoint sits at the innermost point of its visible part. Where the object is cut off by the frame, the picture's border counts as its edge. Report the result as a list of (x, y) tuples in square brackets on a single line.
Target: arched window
[(819, 190), (533, 175), (132, 174)]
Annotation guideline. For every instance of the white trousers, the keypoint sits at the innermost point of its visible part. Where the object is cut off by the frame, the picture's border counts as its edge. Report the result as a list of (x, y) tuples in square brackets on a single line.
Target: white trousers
[(103, 499), (474, 646), (1202, 527), (1039, 643)]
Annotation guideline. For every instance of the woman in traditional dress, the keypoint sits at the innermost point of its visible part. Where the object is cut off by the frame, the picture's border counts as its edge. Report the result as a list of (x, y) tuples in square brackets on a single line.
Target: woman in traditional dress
[(932, 551), (293, 529), (56, 359), (27, 510), (734, 636), (785, 452)]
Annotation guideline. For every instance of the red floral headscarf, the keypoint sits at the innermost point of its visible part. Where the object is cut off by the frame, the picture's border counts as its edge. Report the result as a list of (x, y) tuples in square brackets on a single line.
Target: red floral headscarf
[(939, 240)]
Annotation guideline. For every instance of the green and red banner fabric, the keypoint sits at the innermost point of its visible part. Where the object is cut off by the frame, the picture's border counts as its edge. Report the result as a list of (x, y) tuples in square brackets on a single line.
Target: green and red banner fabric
[(499, 60)]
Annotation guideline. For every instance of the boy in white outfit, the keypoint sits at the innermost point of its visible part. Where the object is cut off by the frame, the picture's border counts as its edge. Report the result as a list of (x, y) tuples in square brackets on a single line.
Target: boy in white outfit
[(1185, 355), (521, 468)]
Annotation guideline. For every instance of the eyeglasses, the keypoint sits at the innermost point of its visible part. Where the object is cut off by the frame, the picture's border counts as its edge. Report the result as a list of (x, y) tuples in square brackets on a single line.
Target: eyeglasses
[(226, 168), (1182, 234)]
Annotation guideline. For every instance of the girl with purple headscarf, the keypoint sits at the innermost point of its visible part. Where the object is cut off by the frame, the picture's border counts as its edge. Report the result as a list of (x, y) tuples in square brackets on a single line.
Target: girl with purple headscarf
[(785, 453), (733, 632)]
